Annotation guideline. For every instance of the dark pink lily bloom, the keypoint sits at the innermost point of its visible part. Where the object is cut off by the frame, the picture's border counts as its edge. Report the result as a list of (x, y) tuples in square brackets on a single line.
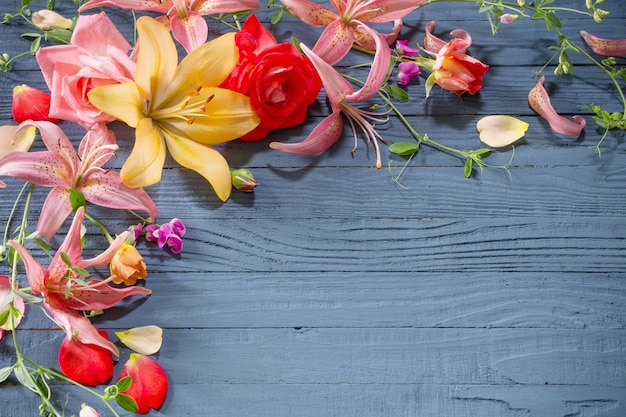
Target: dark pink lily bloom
[(66, 294), (605, 47), (183, 17), (340, 93), (65, 170), (539, 101), (345, 26)]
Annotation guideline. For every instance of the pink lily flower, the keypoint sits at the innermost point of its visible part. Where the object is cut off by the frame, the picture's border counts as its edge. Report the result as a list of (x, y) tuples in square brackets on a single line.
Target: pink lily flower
[(605, 47), (65, 170), (539, 101), (345, 27), (183, 17), (340, 93), (66, 294)]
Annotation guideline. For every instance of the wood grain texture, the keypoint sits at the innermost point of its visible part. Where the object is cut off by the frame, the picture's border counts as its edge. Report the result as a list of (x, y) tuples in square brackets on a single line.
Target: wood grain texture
[(332, 291)]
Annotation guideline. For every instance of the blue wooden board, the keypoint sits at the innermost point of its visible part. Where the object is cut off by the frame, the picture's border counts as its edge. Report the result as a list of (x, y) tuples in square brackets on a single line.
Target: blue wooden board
[(332, 291)]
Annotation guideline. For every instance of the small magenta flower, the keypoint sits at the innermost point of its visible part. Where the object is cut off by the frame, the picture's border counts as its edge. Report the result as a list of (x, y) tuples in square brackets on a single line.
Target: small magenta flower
[(403, 49), (406, 71), (169, 234)]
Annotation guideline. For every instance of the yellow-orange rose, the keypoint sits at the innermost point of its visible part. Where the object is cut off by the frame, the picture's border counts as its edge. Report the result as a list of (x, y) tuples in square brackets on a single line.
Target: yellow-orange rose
[(127, 265)]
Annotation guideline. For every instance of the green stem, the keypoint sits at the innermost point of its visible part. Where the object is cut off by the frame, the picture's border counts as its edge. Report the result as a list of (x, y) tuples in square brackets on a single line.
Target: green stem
[(101, 227)]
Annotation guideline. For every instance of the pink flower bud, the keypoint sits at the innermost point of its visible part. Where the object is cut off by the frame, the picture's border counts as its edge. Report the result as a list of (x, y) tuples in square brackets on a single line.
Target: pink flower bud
[(87, 411), (508, 18)]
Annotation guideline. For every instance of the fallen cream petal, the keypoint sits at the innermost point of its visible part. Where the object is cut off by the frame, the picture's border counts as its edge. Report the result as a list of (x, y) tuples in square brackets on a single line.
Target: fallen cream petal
[(498, 131)]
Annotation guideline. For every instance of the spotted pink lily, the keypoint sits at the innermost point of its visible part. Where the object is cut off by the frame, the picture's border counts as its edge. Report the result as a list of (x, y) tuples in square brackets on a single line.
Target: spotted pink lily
[(345, 27), (184, 17), (65, 170), (66, 294), (340, 93), (539, 101)]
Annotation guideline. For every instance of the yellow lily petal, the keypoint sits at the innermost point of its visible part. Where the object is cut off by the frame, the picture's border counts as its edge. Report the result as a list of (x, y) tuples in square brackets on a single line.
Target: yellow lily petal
[(206, 66), (499, 130), (229, 116), (203, 159), (145, 340), (121, 101), (156, 61), (9, 142), (145, 162)]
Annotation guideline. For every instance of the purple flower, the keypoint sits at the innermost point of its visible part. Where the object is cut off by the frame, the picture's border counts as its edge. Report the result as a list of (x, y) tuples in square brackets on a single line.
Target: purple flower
[(406, 71), (403, 49), (169, 234)]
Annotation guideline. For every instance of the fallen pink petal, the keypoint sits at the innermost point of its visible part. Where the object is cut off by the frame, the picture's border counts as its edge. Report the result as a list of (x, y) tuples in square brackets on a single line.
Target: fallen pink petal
[(539, 101)]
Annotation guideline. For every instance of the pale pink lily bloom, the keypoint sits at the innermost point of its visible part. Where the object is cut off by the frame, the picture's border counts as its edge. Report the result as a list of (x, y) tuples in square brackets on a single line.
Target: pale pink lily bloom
[(603, 46), (183, 17), (539, 101), (63, 169), (66, 294), (340, 93), (345, 26)]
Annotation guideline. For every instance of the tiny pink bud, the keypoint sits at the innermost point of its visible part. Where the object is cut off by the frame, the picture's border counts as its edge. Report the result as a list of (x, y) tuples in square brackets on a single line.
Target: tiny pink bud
[(508, 18), (88, 411), (243, 180), (30, 103)]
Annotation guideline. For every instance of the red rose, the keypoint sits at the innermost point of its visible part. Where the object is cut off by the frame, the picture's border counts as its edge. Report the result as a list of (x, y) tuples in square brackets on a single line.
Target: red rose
[(280, 81)]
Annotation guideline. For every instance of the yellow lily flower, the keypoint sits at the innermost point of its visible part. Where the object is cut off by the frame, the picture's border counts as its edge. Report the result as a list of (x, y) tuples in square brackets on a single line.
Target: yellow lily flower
[(179, 107)]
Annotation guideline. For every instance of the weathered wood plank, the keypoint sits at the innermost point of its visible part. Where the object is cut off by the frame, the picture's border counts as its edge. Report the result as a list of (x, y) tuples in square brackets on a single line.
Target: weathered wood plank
[(374, 299)]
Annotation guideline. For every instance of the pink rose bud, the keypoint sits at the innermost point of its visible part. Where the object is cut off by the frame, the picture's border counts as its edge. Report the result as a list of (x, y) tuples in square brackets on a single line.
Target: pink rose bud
[(30, 103), (243, 180), (50, 20), (508, 18), (88, 411)]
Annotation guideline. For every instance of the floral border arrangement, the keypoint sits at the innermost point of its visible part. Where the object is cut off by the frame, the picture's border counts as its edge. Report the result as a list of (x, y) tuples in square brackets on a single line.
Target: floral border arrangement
[(240, 85)]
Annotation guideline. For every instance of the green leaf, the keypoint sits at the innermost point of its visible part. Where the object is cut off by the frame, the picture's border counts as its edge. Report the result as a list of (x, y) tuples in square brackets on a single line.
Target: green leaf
[(28, 298), (22, 375), (4, 316), (467, 169), (60, 36), (126, 402), (77, 199), (404, 148), (34, 47), (5, 373), (277, 16), (397, 92), (66, 259), (124, 383)]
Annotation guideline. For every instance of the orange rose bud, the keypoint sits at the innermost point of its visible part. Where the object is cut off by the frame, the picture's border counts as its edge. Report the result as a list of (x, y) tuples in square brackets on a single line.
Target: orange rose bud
[(127, 265), (30, 103)]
